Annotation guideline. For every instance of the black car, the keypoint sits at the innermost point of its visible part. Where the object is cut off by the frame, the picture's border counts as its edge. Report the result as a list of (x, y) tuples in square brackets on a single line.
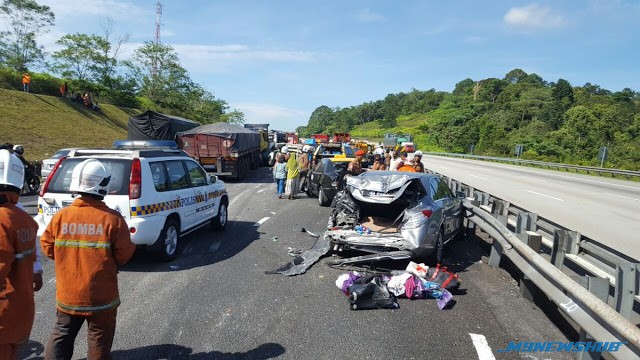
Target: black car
[(325, 179)]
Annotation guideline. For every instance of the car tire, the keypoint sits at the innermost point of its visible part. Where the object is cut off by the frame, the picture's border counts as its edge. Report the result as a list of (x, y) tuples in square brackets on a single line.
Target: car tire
[(219, 223), (322, 198), (166, 247), (437, 255)]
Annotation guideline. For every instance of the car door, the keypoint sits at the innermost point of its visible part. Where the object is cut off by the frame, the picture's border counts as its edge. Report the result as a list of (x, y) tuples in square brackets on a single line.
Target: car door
[(450, 207), (316, 175), (181, 191), (206, 205)]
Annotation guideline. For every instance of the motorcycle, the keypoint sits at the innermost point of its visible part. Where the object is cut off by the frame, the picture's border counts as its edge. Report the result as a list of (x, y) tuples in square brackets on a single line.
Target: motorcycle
[(31, 180)]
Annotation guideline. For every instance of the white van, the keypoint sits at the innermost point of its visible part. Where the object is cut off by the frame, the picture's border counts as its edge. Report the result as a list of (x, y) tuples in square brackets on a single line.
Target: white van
[(162, 194)]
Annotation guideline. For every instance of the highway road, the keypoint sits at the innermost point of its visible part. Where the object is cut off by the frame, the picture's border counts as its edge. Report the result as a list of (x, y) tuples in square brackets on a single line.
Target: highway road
[(215, 301), (603, 209)]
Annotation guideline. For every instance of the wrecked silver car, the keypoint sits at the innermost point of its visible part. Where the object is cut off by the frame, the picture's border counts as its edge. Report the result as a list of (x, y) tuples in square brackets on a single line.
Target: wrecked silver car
[(394, 215)]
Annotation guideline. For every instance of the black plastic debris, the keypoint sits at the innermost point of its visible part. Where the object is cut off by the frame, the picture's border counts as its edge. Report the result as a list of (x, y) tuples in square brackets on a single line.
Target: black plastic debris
[(301, 263)]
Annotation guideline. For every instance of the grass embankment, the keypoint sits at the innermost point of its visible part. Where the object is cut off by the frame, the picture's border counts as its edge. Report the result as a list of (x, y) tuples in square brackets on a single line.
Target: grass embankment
[(44, 124), (406, 124)]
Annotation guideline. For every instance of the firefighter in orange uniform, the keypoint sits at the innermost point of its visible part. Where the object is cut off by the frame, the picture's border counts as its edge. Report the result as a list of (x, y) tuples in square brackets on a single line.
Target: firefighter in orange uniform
[(87, 241), (17, 255)]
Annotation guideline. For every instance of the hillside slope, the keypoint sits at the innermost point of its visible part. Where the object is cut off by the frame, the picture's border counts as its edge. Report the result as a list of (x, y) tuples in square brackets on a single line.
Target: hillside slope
[(43, 124)]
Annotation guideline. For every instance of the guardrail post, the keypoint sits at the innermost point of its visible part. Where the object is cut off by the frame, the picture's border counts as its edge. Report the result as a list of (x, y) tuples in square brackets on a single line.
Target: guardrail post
[(526, 222), (560, 239), (500, 210), (483, 197), (626, 288), (600, 288), (468, 190), (496, 254), (534, 240)]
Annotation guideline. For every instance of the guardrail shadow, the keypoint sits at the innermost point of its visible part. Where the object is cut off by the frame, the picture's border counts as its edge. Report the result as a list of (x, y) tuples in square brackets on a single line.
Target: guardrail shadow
[(200, 248), (179, 352), (261, 175)]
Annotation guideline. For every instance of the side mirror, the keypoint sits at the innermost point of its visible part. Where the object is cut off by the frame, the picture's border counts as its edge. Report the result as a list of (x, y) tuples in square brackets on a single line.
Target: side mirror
[(461, 194), (213, 179)]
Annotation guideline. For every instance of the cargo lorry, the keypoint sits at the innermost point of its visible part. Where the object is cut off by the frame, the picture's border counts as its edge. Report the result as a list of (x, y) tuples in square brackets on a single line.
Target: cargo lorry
[(223, 149), (265, 144)]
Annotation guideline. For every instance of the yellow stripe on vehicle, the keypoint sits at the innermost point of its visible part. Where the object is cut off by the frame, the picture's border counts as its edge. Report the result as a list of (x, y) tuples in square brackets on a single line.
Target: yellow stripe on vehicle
[(174, 204)]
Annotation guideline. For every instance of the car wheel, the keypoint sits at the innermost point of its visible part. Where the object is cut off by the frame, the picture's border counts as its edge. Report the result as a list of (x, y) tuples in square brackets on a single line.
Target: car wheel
[(166, 246), (322, 198), (437, 255), (220, 221)]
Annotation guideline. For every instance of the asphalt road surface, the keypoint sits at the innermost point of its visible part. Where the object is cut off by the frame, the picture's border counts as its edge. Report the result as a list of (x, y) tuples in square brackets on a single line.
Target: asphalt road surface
[(603, 209), (215, 301)]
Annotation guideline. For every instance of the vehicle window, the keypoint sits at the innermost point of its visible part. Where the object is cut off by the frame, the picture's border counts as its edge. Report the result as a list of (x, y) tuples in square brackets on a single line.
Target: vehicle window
[(329, 168), (433, 188), (159, 175), (442, 191), (60, 154), (197, 175), (348, 151), (120, 170), (178, 177)]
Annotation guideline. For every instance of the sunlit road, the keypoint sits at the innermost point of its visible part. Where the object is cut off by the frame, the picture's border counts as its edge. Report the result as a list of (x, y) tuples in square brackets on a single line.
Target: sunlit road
[(606, 210), (215, 301)]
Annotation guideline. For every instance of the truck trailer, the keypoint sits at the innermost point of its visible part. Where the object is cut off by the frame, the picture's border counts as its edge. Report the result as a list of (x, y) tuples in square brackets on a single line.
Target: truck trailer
[(223, 149)]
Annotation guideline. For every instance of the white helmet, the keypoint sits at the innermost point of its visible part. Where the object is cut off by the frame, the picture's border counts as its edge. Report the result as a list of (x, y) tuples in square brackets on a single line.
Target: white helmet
[(380, 151), (11, 170), (418, 153), (90, 177), (284, 150), (18, 149), (305, 148)]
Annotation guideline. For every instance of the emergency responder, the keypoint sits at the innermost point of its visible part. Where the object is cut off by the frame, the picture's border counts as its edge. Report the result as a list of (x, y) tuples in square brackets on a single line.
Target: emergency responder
[(355, 168), (87, 241), (17, 256), (417, 158)]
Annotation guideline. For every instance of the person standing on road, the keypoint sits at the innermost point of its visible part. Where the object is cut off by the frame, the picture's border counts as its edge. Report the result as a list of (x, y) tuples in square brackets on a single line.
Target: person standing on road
[(355, 167), (280, 174), (293, 176), (303, 162), (26, 81), (417, 158), (87, 241), (378, 163), (17, 256)]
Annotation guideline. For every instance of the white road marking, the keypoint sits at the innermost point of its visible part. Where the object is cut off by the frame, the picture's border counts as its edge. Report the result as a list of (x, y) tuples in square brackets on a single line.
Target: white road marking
[(624, 197), (259, 191), (238, 197), (547, 196), (52, 279), (532, 178), (482, 347), (272, 213), (479, 177), (262, 221)]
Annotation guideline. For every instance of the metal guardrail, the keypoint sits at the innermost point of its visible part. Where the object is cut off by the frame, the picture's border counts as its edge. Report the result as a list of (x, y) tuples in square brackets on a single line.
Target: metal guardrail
[(605, 270), (558, 166)]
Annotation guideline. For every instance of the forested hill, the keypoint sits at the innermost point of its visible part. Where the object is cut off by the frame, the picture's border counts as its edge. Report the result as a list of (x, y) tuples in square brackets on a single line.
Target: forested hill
[(555, 121)]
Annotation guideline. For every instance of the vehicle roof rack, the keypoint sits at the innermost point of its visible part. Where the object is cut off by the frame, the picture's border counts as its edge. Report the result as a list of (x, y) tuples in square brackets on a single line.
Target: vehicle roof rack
[(144, 144)]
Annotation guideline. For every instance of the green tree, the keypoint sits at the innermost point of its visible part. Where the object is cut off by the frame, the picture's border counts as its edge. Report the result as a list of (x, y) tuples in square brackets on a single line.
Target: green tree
[(515, 76), (80, 57), (320, 119), (24, 19)]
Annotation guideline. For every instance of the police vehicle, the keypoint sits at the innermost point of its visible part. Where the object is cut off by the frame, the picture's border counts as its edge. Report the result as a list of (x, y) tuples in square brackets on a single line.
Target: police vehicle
[(160, 191)]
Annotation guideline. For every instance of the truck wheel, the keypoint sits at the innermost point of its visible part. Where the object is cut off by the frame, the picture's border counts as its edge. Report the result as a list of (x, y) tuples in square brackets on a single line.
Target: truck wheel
[(166, 247), (220, 221)]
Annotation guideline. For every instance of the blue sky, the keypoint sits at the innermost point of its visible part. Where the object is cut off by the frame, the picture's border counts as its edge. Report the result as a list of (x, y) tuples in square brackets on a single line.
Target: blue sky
[(278, 60)]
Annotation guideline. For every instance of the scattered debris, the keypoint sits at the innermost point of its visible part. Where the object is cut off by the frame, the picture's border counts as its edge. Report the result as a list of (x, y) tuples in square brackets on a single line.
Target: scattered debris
[(275, 238), (301, 263), (310, 233), (174, 267), (293, 251)]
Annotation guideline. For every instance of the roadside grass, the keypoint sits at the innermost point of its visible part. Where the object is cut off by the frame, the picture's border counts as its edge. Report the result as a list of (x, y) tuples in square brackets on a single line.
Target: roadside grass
[(44, 124)]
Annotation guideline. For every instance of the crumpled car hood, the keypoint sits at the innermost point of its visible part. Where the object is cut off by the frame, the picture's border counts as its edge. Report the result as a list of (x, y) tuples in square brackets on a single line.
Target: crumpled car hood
[(380, 189)]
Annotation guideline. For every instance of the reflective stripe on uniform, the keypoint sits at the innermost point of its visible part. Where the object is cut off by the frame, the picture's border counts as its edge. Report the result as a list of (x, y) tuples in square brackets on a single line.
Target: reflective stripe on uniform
[(83, 244), (78, 308), (24, 254)]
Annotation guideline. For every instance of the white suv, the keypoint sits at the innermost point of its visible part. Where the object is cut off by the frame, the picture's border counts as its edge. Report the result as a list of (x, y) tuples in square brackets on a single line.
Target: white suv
[(162, 193)]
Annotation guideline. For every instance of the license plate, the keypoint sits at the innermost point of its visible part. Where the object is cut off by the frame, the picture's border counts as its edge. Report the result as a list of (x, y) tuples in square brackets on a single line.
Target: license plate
[(208, 161)]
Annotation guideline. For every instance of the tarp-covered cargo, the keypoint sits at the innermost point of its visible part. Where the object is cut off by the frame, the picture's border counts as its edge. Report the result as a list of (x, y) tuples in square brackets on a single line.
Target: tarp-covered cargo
[(151, 125), (236, 139)]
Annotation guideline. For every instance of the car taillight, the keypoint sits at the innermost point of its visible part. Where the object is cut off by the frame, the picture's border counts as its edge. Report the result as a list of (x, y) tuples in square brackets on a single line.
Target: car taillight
[(427, 213), (43, 190), (135, 182)]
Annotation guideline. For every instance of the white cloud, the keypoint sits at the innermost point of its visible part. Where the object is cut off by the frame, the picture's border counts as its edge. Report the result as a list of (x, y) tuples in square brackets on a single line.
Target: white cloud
[(112, 8), (533, 16), (279, 117), (239, 52), (368, 16)]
